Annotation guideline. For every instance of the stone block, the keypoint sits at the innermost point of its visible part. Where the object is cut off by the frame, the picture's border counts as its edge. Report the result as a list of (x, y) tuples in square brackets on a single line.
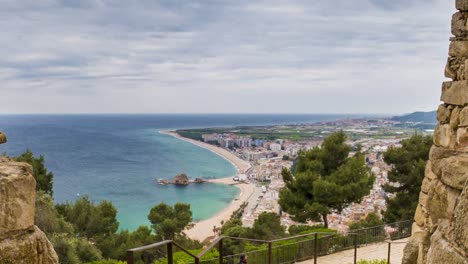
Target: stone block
[(455, 118), (459, 24), (443, 114), (455, 93), (454, 172), (460, 227), (461, 5), (17, 196), (462, 137), (458, 48), (456, 68), (444, 136), (463, 117), (442, 201)]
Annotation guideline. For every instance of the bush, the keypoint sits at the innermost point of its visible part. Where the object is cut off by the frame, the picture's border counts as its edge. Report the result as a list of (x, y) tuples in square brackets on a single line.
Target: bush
[(375, 261)]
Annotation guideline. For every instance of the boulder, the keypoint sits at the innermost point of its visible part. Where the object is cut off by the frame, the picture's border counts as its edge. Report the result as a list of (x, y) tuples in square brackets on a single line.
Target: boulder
[(181, 179), (17, 199), (442, 251), (26, 247), (20, 240)]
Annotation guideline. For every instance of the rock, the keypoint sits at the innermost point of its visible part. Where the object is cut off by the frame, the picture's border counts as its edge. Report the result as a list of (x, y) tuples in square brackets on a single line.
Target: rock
[(418, 242), (444, 136), (441, 251), (458, 49), (181, 179), (426, 185), (461, 223), (423, 198), (461, 5), (456, 69), (443, 114), (430, 175), (454, 172), (459, 24), (17, 199), (463, 117), (462, 137), (419, 216), (437, 208), (454, 118), (455, 93), (27, 247), (3, 138)]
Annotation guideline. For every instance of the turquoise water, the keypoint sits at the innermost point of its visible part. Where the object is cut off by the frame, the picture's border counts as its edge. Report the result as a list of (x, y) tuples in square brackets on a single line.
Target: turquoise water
[(120, 157)]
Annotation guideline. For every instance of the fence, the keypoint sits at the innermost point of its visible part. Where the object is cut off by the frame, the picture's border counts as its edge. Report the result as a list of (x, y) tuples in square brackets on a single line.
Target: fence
[(289, 249)]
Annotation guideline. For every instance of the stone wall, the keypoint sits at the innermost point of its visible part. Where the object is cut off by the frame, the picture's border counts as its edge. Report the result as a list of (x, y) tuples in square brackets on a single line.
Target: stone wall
[(20, 240), (440, 231)]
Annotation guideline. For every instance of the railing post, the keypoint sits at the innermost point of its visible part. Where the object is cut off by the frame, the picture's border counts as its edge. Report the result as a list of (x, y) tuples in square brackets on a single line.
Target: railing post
[(270, 252), (170, 259), (197, 260), (220, 250), (315, 247), (355, 248), (129, 257), (388, 256)]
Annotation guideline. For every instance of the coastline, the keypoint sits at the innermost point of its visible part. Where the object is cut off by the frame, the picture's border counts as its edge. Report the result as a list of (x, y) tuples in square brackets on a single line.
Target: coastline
[(203, 230)]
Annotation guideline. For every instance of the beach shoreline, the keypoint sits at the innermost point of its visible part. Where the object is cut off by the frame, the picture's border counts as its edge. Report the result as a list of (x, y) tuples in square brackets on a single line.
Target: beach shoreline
[(203, 229)]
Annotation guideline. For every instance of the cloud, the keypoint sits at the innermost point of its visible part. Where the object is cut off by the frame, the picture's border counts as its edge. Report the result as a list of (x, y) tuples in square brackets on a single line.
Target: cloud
[(324, 56)]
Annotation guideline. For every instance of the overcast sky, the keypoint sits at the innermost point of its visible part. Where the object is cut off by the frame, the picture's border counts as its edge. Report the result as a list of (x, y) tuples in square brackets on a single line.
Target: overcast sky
[(215, 56)]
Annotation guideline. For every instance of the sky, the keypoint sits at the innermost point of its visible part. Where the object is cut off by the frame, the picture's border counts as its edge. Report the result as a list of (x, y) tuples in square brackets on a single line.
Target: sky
[(217, 56)]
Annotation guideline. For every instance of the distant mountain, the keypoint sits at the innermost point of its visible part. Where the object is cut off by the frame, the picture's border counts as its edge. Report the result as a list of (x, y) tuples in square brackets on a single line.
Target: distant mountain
[(418, 117)]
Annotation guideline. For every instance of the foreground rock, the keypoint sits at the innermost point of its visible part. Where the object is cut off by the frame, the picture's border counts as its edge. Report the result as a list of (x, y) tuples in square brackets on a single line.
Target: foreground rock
[(20, 240), (440, 232), (3, 138)]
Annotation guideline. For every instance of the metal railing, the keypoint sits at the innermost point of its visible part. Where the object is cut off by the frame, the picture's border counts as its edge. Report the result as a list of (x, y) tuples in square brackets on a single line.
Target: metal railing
[(278, 251)]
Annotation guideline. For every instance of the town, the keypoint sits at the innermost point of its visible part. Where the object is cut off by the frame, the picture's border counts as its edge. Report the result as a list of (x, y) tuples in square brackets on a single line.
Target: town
[(269, 156)]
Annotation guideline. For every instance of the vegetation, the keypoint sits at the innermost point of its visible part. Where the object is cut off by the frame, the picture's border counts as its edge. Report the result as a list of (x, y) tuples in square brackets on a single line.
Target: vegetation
[(325, 179), (408, 162), (375, 261), (168, 222), (267, 227), (371, 220)]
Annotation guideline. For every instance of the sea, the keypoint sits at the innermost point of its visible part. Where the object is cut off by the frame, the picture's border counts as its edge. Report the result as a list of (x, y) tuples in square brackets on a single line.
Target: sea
[(120, 157)]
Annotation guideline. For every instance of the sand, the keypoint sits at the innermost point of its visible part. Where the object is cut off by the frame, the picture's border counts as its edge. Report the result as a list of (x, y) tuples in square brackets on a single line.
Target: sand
[(204, 229)]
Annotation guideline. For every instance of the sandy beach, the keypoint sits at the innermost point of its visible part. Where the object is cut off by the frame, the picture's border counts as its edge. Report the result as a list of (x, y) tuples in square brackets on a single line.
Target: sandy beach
[(204, 229)]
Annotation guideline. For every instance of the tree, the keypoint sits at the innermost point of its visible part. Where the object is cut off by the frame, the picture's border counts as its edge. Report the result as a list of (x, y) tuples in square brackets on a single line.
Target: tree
[(267, 227), (44, 179), (326, 179), (371, 220), (408, 166), (168, 222)]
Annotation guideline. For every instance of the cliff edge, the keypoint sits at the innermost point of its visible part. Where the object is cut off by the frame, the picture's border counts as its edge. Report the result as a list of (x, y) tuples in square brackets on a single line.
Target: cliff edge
[(20, 240), (440, 233)]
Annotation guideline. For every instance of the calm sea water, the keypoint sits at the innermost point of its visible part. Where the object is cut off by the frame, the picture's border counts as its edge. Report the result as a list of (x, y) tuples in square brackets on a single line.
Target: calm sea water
[(119, 157)]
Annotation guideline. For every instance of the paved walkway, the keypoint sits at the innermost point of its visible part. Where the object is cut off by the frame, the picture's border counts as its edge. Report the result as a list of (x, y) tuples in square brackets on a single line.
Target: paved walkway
[(375, 251)]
